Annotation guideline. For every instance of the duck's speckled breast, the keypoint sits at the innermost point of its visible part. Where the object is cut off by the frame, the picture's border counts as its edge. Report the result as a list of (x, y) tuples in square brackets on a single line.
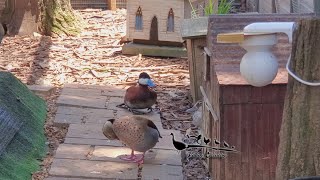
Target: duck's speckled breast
[(135, 135)]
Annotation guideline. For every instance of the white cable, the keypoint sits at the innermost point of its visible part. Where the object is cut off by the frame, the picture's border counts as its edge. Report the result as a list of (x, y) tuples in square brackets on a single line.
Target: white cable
[(298, 78)]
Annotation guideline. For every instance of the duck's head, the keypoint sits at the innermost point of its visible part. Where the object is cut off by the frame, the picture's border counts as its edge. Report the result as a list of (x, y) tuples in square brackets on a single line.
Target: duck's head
[(108, 130), (145, 80)]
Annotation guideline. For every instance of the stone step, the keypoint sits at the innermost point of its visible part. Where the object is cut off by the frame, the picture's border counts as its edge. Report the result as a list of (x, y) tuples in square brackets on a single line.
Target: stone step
[(84, 111), (94, 138), (62, 119), (89, 132), (93, 131), (68, 178), (94, 142), (110, 153), (102, 90), (98, 102), (167, 172), (93, 169), (76, 115), (153, 156)]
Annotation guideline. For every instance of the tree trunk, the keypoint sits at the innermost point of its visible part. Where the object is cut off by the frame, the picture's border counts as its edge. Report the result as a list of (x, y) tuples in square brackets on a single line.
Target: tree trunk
[(57, 18), (50, 17), (299, 148)]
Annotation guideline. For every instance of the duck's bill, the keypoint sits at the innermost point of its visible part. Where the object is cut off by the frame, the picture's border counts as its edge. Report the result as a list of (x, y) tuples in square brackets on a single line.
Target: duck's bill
[(151, 83)]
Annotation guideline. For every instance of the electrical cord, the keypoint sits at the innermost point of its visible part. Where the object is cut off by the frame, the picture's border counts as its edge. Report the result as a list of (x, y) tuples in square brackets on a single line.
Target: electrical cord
[(297, 77)]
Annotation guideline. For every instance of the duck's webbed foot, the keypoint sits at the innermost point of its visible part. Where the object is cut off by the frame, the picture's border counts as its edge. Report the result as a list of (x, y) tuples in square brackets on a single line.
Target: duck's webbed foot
[(136, 111), (140, 160), (131, 158), (123, 105), (153, 109)]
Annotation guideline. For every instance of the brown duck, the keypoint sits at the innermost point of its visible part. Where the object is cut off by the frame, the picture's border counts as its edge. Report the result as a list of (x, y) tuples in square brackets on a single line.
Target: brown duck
[(140, 96), (137, 132)]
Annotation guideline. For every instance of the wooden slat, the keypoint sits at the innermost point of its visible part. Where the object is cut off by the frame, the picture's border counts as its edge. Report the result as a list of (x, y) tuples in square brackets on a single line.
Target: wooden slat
[(112, 4), (195, 57), (236, 37), (245, 140)]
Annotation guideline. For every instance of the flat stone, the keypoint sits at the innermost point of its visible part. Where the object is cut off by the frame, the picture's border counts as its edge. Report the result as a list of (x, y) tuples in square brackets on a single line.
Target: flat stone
[(84, 116), (41, 90), (86, 135), (88, 138), (92, 91), (99, 90), (93, 169), (168, 172), (70, 151), (84, 111), (153, 156), (81, 92), (78, 101), (109, 153), (113, 102), (95, 142), (68, 178), (114, 93), (93, 131), (150, 50), (82, 86)]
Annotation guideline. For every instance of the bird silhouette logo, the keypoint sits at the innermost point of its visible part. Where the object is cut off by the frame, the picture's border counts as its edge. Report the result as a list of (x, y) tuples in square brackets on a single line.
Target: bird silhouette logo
[(206, 141), (182, 146)]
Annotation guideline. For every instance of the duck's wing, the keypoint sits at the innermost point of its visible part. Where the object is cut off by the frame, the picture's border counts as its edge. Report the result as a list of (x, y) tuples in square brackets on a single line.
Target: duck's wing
[(147, 122), (152, 125)]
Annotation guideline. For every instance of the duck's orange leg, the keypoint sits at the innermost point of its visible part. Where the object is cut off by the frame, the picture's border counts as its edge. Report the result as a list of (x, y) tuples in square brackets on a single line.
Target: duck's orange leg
[(140, 160), (131, 157)]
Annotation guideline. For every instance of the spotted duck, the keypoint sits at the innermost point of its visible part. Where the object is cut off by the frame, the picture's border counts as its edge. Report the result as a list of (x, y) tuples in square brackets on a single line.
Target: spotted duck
[(137, 132)]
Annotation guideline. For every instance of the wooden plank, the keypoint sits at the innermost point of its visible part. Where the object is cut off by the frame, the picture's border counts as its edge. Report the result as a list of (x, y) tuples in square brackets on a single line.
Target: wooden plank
[(245, 140), (252, 117), (236, 37), (112, 5), (195, 57), (259, 143), (266, 111)]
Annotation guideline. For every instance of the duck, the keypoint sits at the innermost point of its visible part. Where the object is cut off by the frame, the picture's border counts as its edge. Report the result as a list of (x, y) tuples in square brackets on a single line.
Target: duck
[(137, 132), (140, 96)]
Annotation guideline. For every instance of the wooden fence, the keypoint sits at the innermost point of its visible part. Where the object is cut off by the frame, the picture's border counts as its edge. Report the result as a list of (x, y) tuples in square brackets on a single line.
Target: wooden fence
[(99, 4)]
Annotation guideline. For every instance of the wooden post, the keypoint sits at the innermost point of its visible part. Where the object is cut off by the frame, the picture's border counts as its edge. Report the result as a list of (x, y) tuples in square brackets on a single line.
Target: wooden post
[(273, 6), (257, 5), (112, 4), (243, 5), (299, 148), (215, 6), (316, 4)]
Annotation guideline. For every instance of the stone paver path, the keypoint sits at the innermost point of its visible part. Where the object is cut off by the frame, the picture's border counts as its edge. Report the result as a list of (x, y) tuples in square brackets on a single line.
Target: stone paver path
[(87, 154)]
